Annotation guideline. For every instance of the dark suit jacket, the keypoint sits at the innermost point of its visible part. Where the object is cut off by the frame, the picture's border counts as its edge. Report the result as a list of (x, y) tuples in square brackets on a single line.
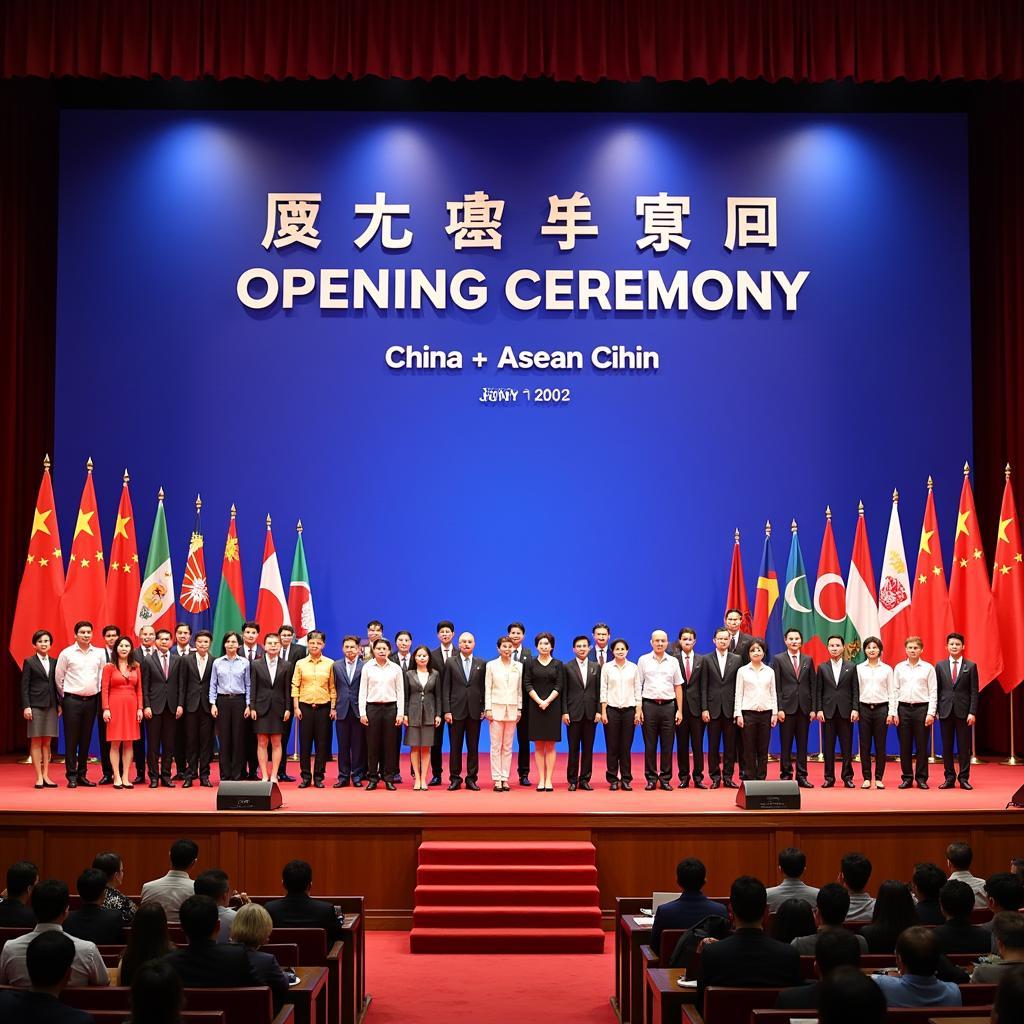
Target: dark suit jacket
[(422, 702), (960, 700), (800, 997), (140, 653), (268, 695), (397, 659), (581, 702), (210, 964), (15, 914), (348, 693), (794, 691), (38, 688), (159, 693), (243, 652), (691, 689), (39, 1008), (304, 912), (295, 652), (962, 937), (193, 692), (843, 698), (461, 697), (929, 912), (743, 642), (749, 959), (97, 924), (268, 972), (684, 912), (438, 662), (718, 695)]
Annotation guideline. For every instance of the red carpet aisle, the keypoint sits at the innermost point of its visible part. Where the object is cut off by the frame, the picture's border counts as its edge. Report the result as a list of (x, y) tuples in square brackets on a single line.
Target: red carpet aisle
[(410, 988), (524, 897)]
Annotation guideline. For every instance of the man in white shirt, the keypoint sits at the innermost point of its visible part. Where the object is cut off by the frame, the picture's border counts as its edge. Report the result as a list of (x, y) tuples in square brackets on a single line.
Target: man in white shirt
[(176, 886), (959, 857), (661, 689), (916, 697), (792, 864), (79, 675), (50, 904), (855, 873)]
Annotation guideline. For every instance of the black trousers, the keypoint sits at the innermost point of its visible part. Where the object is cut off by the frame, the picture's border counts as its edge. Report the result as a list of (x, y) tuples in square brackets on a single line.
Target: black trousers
[(315, 730), (351, 746), (286, 740), (198, 743), (180, 745), (618, 742), (523, 739), (79, 716), (231, 735), (463, 730), (436, 754), (741, 759), (721, 730), (380, 741), (252, 764), (913, 735), (796, 728), (580, 765), (101, 735), (757, 730), (956, 728), (160, 731), (139, 754), (659, 728), (841, 728), (872, 729), (690, 739), (398, 755)]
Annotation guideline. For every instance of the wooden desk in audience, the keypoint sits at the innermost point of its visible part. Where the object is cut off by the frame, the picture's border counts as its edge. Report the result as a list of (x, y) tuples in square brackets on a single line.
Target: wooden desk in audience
[(629, 937), (309, 996), (664, 999)]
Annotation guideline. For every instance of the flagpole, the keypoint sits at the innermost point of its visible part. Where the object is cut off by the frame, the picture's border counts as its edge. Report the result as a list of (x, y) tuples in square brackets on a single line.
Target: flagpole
[(294, 755), (1012, 759)]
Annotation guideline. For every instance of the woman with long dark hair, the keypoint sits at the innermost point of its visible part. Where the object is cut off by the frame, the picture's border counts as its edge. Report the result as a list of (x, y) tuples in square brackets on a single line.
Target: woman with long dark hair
[(148, 940), (894, 913)]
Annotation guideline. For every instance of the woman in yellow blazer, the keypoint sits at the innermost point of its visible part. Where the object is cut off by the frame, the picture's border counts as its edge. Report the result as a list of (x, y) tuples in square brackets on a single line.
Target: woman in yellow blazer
[(503, 705)]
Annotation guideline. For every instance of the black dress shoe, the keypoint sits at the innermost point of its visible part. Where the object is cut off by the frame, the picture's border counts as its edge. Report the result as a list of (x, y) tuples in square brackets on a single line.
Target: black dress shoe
[(453, 785), (964, 784), (435, 781), (572, 787), (626, 785), (664, 785), (177, 777), (684, 783), (305, 784), (649, 786), (167, 784), (371, 785), (88, 783), (357, 783), (715, 784), (187, 784), (805, 784), (388, 784), (139, 780), (613, 786), (396, 779), (318, 783), (948, 784), (153, 783), (285, 777), (72, 783), (848, 783), (906, 784), (471, 785), (106, 780), (587, 786), (698, 785), (729, 784), (922, 785), (341, 784), (206, 783), (828, 784), (524, 780), (785, 778)]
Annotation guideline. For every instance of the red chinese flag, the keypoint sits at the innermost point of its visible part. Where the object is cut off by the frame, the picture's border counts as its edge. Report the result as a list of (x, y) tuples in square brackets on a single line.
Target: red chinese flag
[(85, 592), (123, 574), (1008, 590), (931, 617), (970, 592), (42, 582), (737, 587)]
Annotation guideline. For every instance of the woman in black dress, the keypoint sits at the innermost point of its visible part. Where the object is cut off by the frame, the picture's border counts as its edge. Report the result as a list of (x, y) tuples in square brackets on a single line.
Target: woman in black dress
[(543, 677), (268, 699)]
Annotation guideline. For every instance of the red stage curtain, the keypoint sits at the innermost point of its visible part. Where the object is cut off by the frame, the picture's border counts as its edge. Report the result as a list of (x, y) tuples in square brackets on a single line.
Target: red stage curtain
[(567, 40)]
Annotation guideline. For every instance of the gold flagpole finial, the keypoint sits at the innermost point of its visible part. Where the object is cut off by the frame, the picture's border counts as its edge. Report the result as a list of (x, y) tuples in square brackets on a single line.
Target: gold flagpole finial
[(199, 503), (268, 520), (160, 495), (736, 535), (1006, 472), (125, 477), (46, 463), (860, 508), (828, 513), (792, 527), (895, 496), (298, 526), (234, 511), (967, 469), (768, 528), (88, 464), (931, 483)]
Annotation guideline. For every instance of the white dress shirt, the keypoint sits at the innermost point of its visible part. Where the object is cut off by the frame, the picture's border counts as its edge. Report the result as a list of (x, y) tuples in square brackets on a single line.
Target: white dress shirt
[(659, 677), (621, 687), (87, 968), (755, 689), (80, 672), (915, 684), (976, 883), (381, 684), (876, 685)]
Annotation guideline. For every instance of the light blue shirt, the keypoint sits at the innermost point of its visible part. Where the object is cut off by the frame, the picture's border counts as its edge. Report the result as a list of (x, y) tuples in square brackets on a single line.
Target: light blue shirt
[(918, 990), (230, 676)]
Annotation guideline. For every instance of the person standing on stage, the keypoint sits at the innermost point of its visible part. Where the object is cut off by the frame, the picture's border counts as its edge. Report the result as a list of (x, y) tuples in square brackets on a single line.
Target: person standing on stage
[(661, 686), (717, 704), (147, 645), (182, 646), (110, 637), (79, 675), (229, 705), (543, 682), (192, 675), (877, 709), (690, 733), (503, 706), (422, 712), (314, 700), (381, 710), (374, 631), (40, 703), (439, 658), (601, 652), (462, 704), (621, 706), (122, 709), (956, 681), (838, 699), (251, 649), (291, 651), (351, 734), (739, 644), (916, 699), (581, 712), (796, 693), (402, 657), (516, 631), (756, 706), (270, 690), (161, 710)]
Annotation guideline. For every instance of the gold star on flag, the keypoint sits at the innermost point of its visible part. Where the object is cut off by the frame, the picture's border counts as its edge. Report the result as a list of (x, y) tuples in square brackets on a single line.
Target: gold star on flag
[(72, 558), (1005, 569), (82, 526), (961, 523), (39, 522), (936, 571), (99, 556), (119, 526), (44, 562), (963, 563), (977, 552), (31, 559), (926, 536), (115, 566), (56, 552), (83, 562), (135, 558), (126, 568), (922, 578), (1017, 557)]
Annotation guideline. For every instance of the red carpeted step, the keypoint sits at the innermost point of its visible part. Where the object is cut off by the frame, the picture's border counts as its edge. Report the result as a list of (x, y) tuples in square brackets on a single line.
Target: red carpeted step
[(494, 940), (507, 917), (506, 874), (507, 853), (503, 895)]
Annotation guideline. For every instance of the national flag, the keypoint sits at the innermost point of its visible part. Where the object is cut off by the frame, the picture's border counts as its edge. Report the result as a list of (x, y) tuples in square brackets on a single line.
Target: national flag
[(829, 599), (42, 580), (767, 610), (123, 585), (271, 604), (230, 611), (931, 617), (894, 589), (861, 597), (737, 597), (300, 596), (156, 595), (1008, 589), (970, 591), (85, 589), (195, 590), (797, 612)]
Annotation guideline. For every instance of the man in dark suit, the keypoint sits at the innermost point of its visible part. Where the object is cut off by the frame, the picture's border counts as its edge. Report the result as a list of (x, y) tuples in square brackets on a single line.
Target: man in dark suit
[(297, 909), (16, 908), (206, 963), (581, 711), (796, 693), (957, 682), (515, 632), (462, 704), (439, 658), (182, 646), (691, 906), (192, 676), (690, 732), (147, 646), (838, 698), (291, 651), (111, 633), (835, 948), (350, 731), (717, 701), (749, 958), (958, 935), (739, 644), (251, 650), (48, 961), (92, 920), (160, 709)]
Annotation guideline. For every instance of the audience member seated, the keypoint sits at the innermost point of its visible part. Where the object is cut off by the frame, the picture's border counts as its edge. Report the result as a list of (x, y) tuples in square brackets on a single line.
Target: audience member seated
[(176, 886), (958, 861), (830, 910), (1008, 1005), (148, 940), (917, 959), (93, 921), (855, 872), (928, 879), (15, 908), (795, 918), (1017, 867), (297, 909), (1009, 937), (958, 935), (894, 913), (691, 905), (250, 929), (112, 867), (216, 884), (748, 958), (1005, 891), (792, 864), (838, 947), (157, 995), (205, 963), (49, 958), (50, 905), (849, 997)]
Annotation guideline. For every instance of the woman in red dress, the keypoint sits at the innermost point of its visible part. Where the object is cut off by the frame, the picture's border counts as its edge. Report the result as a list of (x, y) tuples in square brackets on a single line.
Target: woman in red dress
[(122, 708)]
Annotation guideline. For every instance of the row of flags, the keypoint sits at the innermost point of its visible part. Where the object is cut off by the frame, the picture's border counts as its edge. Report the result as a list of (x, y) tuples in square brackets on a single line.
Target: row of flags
[(122, 592), (988, 610)]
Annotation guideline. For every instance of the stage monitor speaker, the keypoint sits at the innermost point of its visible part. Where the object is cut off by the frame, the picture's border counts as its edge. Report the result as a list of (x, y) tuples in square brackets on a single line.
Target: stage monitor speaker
[(781, 795), (1017, 800), (248, 796)]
